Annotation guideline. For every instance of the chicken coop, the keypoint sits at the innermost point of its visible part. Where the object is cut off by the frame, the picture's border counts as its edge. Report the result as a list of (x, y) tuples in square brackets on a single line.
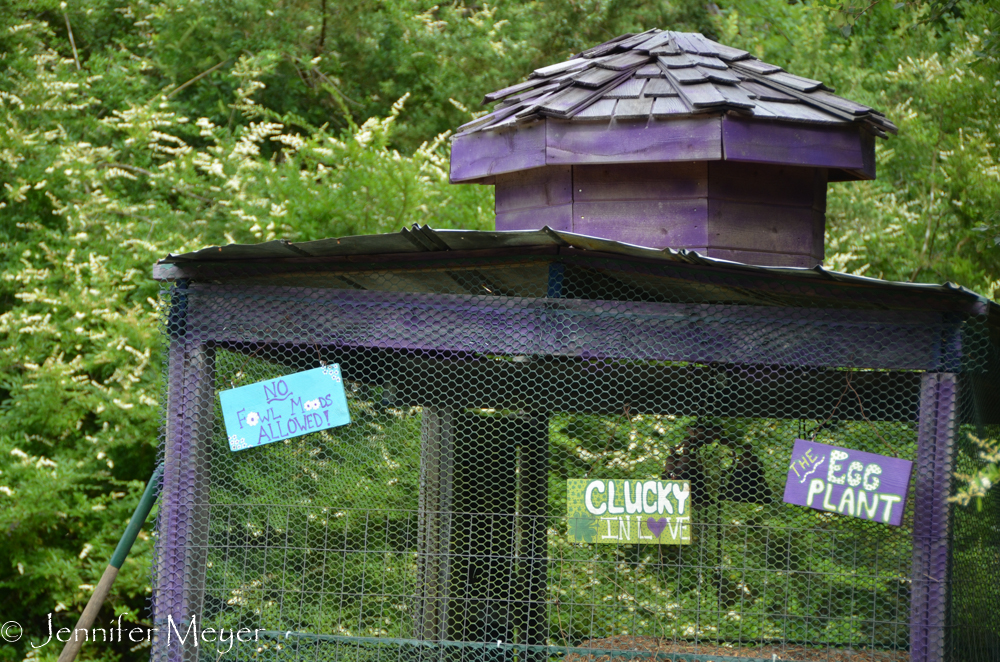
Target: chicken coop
[(651, 316)]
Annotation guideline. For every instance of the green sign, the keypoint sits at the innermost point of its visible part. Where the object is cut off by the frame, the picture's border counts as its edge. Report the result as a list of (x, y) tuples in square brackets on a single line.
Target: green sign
[(621, 512)]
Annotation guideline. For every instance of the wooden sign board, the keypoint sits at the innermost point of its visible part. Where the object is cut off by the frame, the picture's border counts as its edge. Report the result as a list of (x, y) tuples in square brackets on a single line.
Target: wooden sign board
[(286, 407), (654, 512), (849, 482)]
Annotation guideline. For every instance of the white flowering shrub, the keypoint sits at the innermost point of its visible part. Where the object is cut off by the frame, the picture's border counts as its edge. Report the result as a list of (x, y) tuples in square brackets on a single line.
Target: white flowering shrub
[(933, 215), (977, 484), (97, 185)]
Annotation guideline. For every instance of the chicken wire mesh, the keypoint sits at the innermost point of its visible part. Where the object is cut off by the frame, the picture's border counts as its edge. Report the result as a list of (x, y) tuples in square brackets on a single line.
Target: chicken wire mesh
[(434, 525)]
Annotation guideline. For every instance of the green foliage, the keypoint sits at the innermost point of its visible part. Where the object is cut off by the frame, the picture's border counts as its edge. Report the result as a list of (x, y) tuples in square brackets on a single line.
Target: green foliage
[(363, 55), (848, 13), (982, 476), (933, 212), (104, 173), (134, 128)]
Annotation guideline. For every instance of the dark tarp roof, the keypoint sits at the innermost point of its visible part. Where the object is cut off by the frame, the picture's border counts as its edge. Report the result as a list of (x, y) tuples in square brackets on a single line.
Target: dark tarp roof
[(423, 239)]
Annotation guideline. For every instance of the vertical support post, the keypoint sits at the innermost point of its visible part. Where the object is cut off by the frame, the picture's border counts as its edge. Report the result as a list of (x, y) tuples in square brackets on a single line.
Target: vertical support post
[(183, 516), (533, 468), (931, 515), (484, 546), (434, 514), (482, 532)]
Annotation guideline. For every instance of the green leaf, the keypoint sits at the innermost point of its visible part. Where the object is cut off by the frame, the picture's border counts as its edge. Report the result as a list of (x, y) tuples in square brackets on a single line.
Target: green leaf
[(583, 529)]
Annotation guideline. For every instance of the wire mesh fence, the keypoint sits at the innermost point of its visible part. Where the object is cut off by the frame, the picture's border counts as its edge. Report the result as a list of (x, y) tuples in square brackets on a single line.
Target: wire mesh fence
[(434, 525)]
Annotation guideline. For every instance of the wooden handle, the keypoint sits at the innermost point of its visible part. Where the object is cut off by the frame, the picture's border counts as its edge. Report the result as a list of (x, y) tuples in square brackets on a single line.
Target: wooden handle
[(96, 601), (76, 640)]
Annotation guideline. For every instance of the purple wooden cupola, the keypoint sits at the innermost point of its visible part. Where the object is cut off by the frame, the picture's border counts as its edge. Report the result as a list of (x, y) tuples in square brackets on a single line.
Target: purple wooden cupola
[(671, 140)]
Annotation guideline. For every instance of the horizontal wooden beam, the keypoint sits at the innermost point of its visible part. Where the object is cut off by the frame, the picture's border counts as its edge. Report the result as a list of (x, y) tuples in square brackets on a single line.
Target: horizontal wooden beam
[(486, 153), (808, 145), (846, 150), (578, 328), (693, 139), (570, 385)]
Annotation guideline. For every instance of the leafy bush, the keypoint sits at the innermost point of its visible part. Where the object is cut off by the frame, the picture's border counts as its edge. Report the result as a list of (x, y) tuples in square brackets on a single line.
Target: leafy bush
[(97, 189)]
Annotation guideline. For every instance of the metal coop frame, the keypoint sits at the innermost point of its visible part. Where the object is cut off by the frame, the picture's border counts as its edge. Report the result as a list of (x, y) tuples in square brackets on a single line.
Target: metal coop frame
[(483, 370)]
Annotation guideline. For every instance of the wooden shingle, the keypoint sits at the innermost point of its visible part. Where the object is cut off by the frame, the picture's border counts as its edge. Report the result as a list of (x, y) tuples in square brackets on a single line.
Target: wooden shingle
[(659, 87), (630, 89), (661, 73)]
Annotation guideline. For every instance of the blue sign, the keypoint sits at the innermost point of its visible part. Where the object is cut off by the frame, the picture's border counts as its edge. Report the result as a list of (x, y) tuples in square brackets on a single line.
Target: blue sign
[(286, 407)]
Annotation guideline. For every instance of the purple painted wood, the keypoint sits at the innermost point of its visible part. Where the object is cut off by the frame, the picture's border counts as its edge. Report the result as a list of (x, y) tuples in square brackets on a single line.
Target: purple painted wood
[(538, 187), (868, 154), (481, 154), (570, 327), (745, 210), (792, 163), (697, 139), (847, 481), (660, 205), (533, 199), (183, 514), (820, 180), (756, 227), (765, 183), (652, 223), (557, 217), (794, 144), (640, 181), (932, 515), (847, 149)]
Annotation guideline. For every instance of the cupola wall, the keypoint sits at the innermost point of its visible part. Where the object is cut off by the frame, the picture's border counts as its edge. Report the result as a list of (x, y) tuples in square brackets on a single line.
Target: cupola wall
[(752, 213)]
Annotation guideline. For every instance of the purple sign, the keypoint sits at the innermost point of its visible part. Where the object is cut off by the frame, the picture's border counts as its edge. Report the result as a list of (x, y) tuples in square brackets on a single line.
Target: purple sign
[(854, 483)]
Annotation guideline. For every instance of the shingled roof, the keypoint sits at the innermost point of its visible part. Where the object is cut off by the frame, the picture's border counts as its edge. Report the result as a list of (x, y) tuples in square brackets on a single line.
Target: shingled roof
[(666, 74)]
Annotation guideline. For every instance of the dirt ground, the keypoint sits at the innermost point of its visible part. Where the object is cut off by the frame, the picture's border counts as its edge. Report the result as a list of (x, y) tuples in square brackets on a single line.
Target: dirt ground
[(725, 653)]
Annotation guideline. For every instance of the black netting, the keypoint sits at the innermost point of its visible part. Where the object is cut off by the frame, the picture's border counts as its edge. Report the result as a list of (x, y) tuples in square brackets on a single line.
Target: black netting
[(435, 524)]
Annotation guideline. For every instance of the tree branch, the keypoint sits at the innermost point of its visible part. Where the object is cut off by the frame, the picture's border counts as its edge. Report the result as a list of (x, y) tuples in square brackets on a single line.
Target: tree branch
[(72, 42), (322, 30), (190, 82)]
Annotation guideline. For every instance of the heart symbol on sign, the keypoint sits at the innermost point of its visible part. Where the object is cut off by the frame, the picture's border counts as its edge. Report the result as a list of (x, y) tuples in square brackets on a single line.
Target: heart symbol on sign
[(656, 526)]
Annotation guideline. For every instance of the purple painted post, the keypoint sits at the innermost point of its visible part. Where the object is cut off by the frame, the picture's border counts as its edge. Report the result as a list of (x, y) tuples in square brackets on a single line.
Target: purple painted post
[(183, 517), (931, 515)]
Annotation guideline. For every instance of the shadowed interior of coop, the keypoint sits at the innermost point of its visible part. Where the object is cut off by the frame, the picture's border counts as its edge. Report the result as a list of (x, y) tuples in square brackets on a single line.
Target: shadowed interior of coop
[(441, 523)]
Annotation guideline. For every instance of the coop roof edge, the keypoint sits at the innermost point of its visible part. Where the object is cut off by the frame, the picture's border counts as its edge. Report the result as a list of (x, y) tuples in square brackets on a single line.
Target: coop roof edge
[(425, 240)]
